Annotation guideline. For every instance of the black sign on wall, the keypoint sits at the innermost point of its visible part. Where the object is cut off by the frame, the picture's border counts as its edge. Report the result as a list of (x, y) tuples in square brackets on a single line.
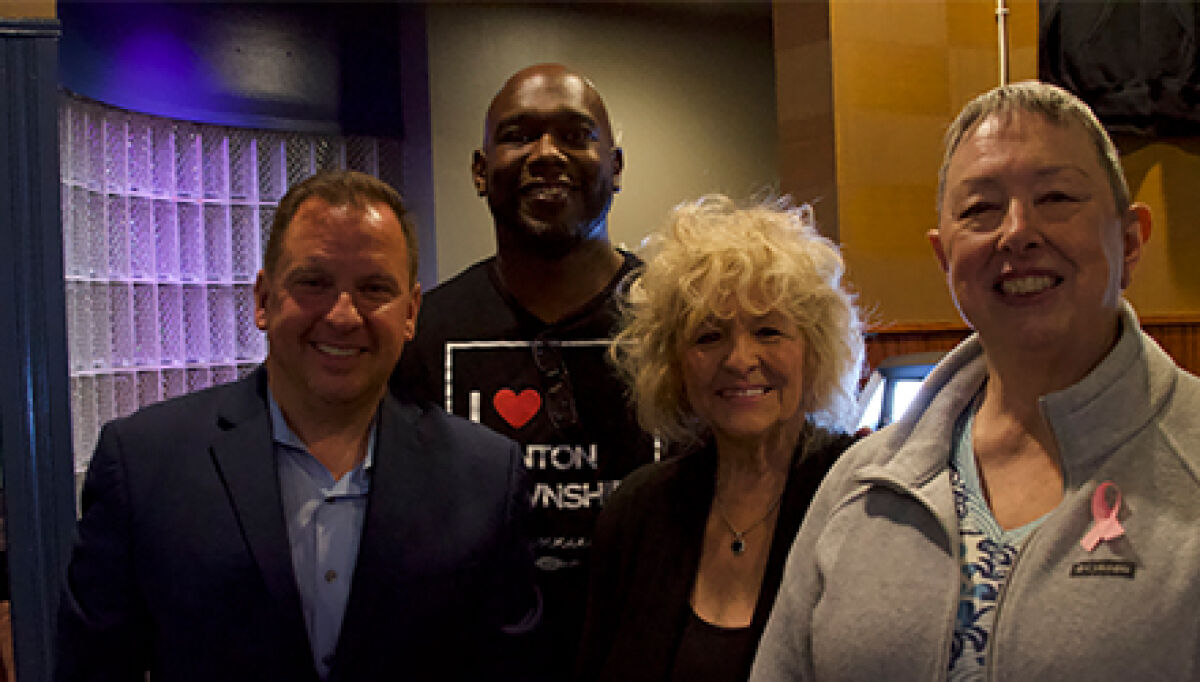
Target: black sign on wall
[(1137, 64)]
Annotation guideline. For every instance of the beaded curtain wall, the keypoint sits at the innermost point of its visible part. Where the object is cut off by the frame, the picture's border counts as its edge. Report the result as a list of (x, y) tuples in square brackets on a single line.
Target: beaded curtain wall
[(164, 224)]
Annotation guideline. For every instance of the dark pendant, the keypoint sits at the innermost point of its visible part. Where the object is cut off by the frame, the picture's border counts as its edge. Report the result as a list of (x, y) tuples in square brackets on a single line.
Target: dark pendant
[(738, 546)]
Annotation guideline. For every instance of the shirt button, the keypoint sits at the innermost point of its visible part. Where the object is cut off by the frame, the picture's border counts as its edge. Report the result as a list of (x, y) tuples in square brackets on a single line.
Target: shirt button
[(330, 575)]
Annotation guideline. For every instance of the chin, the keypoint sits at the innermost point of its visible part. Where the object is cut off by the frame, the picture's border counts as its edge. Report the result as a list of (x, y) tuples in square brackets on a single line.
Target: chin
[(1030, 335), (340, 393), (550, 242), (744, 432)]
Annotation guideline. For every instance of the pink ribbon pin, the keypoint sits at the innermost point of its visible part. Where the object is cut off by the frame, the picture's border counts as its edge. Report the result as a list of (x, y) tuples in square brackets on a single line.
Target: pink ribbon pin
[(1105, 525)]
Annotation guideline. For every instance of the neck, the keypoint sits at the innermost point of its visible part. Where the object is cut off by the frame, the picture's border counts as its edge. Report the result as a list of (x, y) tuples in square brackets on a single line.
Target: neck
[(552, 288), (1026, 373), (746, 465), (1015, 405), (1017, 454), (1011, 420), (336, 435)]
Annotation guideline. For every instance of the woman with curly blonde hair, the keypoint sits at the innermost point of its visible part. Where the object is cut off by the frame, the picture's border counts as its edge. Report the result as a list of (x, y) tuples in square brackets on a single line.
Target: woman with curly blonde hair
[(741, 349)]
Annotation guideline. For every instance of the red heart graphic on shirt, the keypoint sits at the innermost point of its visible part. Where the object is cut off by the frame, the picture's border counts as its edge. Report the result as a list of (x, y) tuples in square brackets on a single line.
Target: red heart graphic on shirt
[(517, 408)]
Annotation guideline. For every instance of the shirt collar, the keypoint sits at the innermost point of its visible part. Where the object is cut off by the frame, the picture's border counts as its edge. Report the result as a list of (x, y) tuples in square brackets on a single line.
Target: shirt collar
[(282, 434)]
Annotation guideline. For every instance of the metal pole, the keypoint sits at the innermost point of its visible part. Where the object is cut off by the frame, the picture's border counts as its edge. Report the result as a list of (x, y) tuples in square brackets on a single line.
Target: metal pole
[(1002, 36)]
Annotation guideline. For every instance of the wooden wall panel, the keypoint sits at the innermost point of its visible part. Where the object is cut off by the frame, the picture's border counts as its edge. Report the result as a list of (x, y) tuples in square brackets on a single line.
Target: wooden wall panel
[(885, 343), (900, 73), (804, 108), (27, 9), (1179, 336)]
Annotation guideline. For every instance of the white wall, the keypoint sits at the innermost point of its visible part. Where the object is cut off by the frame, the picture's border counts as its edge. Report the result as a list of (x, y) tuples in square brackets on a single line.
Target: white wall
[(690, 92)]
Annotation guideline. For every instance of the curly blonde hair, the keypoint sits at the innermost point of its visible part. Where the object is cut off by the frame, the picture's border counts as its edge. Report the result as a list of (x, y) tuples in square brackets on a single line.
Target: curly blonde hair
[(768, 257)]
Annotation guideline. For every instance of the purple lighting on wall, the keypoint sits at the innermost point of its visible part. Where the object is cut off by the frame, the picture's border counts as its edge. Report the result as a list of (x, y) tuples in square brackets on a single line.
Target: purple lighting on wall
[(165, 66), (258, 65)]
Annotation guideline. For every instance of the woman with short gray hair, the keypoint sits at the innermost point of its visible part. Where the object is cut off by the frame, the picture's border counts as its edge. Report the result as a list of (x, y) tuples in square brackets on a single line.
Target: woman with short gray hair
[(1033, 514)]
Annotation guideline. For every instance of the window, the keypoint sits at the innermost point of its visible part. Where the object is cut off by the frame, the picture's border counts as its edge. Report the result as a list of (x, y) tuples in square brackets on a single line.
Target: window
[(164, 224)]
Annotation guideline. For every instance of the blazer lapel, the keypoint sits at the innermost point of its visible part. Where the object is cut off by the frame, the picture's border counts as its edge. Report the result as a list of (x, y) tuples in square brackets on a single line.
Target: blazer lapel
[(244, 455), (398, 518)]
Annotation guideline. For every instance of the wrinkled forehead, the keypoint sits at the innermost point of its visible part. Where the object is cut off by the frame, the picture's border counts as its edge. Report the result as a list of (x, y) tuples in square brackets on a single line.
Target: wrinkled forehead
[(1030, 139), (1064, 132)]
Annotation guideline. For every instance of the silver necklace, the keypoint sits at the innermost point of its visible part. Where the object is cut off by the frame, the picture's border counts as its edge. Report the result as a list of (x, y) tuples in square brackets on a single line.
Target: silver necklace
[(738, 546)]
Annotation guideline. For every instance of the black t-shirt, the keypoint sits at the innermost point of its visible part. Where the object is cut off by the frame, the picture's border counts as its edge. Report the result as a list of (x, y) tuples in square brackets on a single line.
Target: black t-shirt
[(474, 354)]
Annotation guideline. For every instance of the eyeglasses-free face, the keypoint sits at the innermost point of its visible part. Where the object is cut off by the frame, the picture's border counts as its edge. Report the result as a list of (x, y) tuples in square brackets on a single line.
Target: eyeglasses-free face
[(1034, 251), (339, 306), (744, 376)]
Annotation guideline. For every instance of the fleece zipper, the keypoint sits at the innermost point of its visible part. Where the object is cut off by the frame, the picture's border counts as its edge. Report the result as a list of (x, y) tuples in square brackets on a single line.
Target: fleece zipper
[(901, 488)]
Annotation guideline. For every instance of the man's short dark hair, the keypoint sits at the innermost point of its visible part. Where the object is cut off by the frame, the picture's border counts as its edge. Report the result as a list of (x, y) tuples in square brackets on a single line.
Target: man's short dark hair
[(339, 188)]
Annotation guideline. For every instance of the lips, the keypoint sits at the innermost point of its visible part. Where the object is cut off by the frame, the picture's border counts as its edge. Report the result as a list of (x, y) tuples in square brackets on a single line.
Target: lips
[(743, 392), (1027, 285), (336, 351), (540, 187)]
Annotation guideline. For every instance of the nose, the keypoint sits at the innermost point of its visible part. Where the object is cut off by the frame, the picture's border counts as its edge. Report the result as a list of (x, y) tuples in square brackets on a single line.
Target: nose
[(545, 149), (343, 314), (1019, 230), (743, 354)]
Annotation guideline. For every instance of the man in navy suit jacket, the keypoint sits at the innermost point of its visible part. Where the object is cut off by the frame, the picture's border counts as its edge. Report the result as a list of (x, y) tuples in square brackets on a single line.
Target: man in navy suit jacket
[(301, 524)]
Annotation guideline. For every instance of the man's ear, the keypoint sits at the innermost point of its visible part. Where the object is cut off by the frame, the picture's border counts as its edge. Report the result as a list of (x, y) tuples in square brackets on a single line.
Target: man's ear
[(414, 307), (935, 240), (1134, 233), (479, 172), (261, 294), (618, 165)]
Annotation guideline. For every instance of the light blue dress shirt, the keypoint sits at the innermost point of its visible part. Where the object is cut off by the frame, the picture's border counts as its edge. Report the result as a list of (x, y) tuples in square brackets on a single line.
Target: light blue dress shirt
[(324, 524)]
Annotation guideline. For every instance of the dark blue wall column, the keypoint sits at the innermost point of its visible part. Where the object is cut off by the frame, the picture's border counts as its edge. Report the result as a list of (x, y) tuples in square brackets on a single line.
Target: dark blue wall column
[(35, 430), (416, 181)]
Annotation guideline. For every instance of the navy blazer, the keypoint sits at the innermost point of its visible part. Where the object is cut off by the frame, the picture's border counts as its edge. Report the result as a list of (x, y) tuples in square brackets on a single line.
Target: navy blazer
[(182, 565)]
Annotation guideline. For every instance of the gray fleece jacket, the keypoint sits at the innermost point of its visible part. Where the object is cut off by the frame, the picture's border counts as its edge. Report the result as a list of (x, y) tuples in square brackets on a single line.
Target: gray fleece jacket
[(872, 581)]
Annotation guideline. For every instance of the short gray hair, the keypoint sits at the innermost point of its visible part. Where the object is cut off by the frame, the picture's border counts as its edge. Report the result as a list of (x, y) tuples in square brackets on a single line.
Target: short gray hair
[(1056, 105)]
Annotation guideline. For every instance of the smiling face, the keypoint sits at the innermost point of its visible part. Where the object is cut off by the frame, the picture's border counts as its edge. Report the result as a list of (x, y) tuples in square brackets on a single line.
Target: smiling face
[(548, 166), (338, 307), (1034, 251), (744, 377)]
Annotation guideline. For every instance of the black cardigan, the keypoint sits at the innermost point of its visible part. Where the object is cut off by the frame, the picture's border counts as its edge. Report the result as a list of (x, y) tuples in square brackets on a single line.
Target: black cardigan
[(646, 549)]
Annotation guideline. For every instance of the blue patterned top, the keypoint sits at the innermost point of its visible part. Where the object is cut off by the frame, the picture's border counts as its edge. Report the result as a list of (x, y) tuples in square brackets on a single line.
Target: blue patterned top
[(987, 552)]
